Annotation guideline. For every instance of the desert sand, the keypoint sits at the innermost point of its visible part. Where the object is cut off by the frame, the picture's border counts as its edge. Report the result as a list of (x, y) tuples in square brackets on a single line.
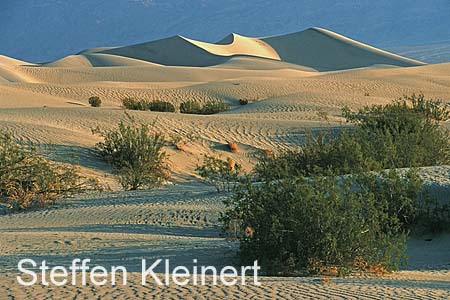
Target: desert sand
[(290, 81)]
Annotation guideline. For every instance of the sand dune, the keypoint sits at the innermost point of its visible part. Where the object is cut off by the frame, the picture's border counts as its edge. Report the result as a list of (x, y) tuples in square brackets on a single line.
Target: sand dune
[(256, 63), (71, 61), (10, 70), (314, 48), (237, 45), (173, 51), (106, 60), (325, 50)]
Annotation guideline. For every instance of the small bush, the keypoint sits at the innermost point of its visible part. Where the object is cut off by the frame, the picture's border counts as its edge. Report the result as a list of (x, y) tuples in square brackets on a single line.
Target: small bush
[(161, 106), (28, 180), (405, 133), (208, 108), (223, 174), (214, 107), (191, 107), (95, 101), (243, 101), (136, 153), (134, 104)]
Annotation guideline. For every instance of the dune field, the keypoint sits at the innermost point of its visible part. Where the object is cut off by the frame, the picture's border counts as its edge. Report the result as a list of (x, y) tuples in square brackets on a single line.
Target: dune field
[(291, 82)]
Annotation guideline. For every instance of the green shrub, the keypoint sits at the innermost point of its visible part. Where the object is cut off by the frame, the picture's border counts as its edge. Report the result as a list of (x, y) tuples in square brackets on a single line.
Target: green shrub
[(322, 223), (403, 134), (28, 180), (191, 107), (161, 106), (214, 107), (323, 208), (208, 108), (243, 101), (134, 104), (223, 174), (95, 101), (136, 153)]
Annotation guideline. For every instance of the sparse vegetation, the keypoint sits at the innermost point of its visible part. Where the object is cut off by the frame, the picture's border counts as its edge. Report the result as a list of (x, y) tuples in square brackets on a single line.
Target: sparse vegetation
[(332, 206), (157, 105), (403, 134), (136, 153), (161, 106), (191, 107), (134, 104), (28, 180), (223, 174), (95, 101), (207, 108), (180, 141)]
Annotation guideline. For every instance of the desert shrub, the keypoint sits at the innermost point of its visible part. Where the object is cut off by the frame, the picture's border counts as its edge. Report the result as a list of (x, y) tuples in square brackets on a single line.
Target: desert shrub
[(136, 152), (223, 174), (95, 101), (432, 217), (134, 104), (405, 133), (330, 205), (190, 107), (28, 180), (323, 223), (214, 107), (243, 101), (208, 108), (161, 106)]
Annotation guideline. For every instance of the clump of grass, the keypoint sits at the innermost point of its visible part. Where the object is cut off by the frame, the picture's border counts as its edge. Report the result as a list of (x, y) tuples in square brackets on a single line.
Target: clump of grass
[(223, 174), (95, 101), (180, 141)]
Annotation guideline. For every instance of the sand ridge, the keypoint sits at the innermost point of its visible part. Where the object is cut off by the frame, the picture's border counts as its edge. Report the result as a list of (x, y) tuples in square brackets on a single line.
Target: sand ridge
[(316, 48)]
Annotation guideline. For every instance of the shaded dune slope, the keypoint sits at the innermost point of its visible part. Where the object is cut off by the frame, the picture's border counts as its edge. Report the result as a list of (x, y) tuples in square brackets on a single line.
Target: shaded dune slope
[(173, 51), (325, 50), (315, 48)]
